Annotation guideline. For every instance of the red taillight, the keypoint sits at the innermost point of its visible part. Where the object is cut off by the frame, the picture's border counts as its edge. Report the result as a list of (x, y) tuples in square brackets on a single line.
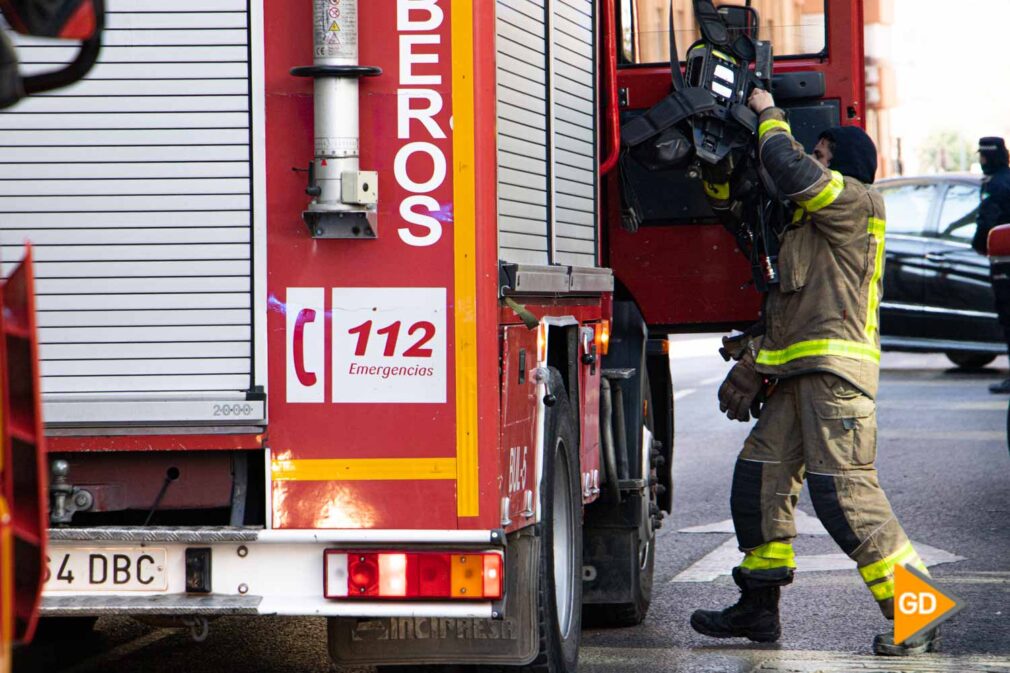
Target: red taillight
[(362, 575), (414, 575), (433, 576)]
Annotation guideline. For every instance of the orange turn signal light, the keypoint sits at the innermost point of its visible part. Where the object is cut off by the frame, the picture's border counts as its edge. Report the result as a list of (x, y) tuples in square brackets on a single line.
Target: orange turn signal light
[(603, 337)]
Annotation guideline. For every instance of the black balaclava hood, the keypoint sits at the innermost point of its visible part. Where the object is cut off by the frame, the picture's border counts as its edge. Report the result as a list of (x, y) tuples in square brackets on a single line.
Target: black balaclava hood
[(994, 150), (854, 153)]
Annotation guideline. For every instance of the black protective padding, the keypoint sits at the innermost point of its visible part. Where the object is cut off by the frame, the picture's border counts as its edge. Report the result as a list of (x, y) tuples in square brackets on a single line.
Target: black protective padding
[(824, 495), (791, 86), (809, 120), (745, 503), (674, 108)]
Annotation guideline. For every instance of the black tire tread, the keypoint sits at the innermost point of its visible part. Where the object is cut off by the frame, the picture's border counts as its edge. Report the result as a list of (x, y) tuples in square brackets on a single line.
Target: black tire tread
[(970, 360)]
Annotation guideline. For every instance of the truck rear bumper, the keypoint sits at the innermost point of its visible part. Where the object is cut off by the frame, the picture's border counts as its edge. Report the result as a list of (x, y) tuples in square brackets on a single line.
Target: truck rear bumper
[(252, 571)]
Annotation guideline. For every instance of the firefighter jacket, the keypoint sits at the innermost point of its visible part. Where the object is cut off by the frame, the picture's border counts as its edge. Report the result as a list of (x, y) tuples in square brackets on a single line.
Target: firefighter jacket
[(994, 209), (823, 316)]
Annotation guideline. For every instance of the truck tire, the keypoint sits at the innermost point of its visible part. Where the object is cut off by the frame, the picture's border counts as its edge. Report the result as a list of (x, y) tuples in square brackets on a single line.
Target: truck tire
[(970, 360), (559, 598)]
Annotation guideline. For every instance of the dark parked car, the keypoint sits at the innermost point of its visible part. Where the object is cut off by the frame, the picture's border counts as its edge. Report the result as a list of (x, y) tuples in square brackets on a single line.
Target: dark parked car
[(937, 294)]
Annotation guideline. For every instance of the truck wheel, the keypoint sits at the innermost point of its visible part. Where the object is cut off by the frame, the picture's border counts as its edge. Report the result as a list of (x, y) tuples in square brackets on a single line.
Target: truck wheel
[(559, 599), (968, 360)]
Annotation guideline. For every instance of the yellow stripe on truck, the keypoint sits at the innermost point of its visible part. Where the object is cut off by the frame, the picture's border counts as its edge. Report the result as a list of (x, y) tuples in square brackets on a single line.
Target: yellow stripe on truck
[(364, 469), (465, 253)]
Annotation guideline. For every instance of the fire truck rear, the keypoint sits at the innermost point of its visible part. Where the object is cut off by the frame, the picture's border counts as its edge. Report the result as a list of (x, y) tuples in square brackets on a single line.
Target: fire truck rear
[(324, 330), (328, 324)]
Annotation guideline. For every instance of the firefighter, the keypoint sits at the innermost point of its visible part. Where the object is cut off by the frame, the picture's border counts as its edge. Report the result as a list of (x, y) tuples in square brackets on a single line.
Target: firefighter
[(819, 355), (994, 210)]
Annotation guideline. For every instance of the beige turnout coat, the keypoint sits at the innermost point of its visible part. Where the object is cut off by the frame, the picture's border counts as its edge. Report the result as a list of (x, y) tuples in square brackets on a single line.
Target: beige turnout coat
[(824, 314)]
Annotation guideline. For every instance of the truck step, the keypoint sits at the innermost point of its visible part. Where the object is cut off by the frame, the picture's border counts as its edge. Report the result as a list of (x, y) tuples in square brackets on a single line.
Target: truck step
[(631, 484)]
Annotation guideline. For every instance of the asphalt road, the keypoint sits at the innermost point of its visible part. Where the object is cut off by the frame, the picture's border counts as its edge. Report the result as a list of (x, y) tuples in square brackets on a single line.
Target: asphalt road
[(943, 461)]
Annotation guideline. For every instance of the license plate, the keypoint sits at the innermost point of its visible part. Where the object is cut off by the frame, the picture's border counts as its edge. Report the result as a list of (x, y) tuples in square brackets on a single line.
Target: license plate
[(120, 569)]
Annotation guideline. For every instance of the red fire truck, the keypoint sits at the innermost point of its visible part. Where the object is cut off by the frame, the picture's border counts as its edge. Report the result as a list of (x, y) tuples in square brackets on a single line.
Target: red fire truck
[(337, 316)]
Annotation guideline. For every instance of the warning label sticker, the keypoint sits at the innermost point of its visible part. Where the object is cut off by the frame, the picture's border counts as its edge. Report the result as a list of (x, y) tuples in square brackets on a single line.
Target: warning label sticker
[(336, 29)]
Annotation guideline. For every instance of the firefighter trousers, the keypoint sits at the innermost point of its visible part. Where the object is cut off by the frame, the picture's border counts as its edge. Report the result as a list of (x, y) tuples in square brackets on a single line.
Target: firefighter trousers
[(821, 427)]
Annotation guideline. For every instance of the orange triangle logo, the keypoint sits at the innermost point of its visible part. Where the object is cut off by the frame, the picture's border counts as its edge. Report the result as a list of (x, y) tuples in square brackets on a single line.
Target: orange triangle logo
[(918, 605)]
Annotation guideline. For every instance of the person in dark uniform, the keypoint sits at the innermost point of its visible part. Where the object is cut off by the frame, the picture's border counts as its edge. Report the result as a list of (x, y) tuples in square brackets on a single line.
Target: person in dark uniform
[(995, 210)]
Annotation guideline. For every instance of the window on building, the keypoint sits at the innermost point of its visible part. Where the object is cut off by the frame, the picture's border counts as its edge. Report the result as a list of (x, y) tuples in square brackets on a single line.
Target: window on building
[(960, 212), (908, 208), (795, 27)]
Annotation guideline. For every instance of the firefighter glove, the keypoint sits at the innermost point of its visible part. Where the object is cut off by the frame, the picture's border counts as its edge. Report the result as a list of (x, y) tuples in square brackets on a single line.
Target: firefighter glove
[(739, 393), (734, 347)]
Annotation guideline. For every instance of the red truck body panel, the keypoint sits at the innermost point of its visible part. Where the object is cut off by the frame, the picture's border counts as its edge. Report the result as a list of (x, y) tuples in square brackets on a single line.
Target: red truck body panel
[(414, 454)]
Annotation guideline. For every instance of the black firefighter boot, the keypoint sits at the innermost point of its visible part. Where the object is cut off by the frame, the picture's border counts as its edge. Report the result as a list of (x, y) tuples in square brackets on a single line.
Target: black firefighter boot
[(883, 643), (754, 616)]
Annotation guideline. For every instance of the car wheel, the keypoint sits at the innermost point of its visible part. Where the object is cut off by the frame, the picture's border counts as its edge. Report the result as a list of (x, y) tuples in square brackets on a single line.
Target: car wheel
[(969, 360)]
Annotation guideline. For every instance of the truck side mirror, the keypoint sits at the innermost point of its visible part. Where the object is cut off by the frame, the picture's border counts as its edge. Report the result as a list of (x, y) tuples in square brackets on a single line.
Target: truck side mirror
[(81, 20)]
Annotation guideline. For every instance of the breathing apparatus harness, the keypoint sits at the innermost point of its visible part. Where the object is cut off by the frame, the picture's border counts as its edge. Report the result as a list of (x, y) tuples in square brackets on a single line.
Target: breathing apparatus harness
[(706, 127)]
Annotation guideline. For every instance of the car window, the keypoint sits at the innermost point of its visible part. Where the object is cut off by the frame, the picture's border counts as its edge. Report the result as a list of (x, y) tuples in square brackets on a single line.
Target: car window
[(908, 208), (959, 213)]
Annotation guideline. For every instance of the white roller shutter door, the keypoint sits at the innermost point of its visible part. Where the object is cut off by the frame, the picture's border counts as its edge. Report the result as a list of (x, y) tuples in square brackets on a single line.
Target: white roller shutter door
[(547, 132), (136, 187)]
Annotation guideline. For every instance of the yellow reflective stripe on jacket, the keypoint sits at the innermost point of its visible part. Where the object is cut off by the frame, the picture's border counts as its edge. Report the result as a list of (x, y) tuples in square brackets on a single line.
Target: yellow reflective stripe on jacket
[(883, 590), (827, 195), (885, 566), (769, 124), (717, 190), (817, 348), (876, 228), (769, 556)]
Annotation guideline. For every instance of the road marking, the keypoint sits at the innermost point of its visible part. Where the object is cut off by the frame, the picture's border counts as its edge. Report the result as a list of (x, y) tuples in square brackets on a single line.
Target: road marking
[(681, 394), (100, 662), (721, 560), (712, 379), (743, 659)]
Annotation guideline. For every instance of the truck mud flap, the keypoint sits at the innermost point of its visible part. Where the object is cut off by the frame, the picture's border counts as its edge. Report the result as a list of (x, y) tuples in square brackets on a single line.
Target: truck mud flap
[(511, 639)]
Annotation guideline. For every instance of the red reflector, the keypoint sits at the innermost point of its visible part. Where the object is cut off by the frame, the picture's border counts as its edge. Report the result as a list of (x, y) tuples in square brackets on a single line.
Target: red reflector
[(413, 575)]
